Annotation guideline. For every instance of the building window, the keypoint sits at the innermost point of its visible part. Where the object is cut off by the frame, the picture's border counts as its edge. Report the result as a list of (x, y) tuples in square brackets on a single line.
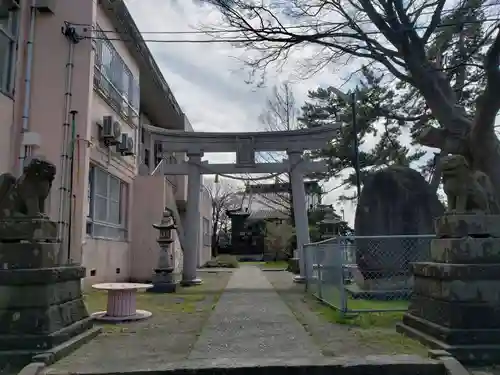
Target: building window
[(146, 157), (206, 232), (157, 152), (107, 209), (113, 79), (8, 40)]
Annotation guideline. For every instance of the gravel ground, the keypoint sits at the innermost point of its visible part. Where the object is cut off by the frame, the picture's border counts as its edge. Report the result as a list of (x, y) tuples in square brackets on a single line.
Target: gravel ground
[(168, 336), (336, 339)]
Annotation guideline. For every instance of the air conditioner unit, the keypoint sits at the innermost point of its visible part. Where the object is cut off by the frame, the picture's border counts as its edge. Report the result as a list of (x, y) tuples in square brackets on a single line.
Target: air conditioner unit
[(45, 6), (126, 146), (111, 131)]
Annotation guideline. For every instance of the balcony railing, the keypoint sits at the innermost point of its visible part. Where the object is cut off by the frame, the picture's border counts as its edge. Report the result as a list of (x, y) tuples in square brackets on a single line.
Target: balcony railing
[(158, 170), (112, 96)]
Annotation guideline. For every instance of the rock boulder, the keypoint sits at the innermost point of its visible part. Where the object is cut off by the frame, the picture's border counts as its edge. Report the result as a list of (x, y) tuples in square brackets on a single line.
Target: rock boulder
[(394, 201)]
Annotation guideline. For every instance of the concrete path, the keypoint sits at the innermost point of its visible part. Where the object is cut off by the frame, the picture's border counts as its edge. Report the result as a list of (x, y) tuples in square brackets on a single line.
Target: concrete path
[(251, 321)]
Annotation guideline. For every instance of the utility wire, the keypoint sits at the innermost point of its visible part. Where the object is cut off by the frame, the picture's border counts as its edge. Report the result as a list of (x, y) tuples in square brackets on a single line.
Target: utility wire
[(277, 29), (277, 39)]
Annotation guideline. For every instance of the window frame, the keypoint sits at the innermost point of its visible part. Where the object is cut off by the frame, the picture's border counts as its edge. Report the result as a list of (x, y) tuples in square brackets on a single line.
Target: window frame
[(7, 75), (107, 225), (206, 231)]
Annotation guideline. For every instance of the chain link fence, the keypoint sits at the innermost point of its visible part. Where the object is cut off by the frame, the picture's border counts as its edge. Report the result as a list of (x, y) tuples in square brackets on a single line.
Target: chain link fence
[(356, 274)]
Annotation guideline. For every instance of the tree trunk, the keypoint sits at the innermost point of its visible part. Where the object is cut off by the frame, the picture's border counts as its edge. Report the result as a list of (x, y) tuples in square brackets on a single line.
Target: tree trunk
[(473, 138), (215, 244)]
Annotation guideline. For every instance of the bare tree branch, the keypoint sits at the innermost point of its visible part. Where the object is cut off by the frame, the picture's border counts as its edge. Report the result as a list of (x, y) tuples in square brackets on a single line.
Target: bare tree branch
[(488, 103)]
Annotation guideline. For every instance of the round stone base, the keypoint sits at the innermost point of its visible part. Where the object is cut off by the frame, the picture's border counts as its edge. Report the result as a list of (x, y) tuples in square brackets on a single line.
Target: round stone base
[(103, 317), (299, 279), (191, 282)]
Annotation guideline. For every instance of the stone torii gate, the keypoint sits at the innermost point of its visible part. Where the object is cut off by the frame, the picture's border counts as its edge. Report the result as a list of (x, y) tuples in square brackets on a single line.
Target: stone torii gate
[(195, 144)]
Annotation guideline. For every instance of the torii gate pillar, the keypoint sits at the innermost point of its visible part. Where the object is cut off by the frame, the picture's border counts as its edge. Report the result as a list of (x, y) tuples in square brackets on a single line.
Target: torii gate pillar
[(192, 225), (299, 209)]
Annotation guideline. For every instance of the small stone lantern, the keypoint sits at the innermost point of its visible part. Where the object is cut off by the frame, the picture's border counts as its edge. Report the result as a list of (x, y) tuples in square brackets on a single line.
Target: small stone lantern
[(163, 278), (329, 226)]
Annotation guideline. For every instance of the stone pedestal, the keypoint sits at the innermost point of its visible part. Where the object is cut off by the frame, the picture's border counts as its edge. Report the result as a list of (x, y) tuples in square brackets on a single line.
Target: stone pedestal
[(42, 312), (395, 288), (456, 297), (164, 281)]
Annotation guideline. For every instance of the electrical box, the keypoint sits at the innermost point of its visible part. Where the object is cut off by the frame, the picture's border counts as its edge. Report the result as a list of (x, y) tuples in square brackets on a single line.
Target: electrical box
[(46, 6), (31, 139)]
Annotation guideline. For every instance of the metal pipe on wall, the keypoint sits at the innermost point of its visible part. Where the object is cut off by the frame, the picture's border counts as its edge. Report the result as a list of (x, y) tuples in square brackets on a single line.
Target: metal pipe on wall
[(72, 197), (64, 178), (25, 150)]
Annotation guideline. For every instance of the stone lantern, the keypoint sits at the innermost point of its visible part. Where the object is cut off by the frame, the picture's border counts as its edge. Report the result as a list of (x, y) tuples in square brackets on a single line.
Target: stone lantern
[(329, 226), (163, 278)]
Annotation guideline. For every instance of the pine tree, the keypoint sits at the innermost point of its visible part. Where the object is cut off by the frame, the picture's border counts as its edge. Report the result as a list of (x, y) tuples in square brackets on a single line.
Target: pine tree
[(325, 107)]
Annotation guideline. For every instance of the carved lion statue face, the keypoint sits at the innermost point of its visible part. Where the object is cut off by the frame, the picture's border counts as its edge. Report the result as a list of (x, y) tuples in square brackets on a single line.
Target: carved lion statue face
[(454, 164), (40, 169)]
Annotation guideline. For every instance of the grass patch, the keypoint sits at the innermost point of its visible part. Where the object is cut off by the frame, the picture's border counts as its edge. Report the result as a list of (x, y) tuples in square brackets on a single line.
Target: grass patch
[(223, 261), (154, 302), (253, 263), (365, 319), (376, 329), (278, 264), (392, 342), (185, 302), (361, 320)]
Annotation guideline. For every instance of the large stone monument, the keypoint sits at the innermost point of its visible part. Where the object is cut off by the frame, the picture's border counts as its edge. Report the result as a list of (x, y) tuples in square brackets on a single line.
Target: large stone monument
[(456, 301), (42, 313), (395, 201)]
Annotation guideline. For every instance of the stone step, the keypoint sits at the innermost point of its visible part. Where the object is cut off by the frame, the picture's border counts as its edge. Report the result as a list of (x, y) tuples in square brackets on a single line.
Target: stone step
[(465, 354), (384, 364), (465, 250), (474, 291), (467, 225), (452, 314), (453, 336)]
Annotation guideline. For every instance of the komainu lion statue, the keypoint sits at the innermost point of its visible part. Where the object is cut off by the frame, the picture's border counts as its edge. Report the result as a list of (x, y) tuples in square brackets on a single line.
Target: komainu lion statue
[(467, 190), (25, 197)]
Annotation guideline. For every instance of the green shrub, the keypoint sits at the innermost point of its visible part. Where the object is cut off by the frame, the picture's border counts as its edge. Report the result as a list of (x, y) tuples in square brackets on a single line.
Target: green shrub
[(223, 261)]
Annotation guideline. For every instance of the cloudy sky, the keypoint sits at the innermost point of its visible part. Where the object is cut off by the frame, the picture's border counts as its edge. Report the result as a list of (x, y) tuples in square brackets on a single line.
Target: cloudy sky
[(209, 80)]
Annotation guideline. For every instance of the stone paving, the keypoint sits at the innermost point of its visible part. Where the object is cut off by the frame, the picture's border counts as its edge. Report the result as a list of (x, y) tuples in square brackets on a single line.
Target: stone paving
[(252, 321)]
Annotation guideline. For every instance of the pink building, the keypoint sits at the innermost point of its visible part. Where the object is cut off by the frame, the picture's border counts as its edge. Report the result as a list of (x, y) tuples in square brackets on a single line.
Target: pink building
[(77, 79)]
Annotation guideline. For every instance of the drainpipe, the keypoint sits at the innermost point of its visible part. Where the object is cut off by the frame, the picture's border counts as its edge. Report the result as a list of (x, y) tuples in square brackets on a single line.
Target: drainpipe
[(70, 33), (73, 114), (25, 149)]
